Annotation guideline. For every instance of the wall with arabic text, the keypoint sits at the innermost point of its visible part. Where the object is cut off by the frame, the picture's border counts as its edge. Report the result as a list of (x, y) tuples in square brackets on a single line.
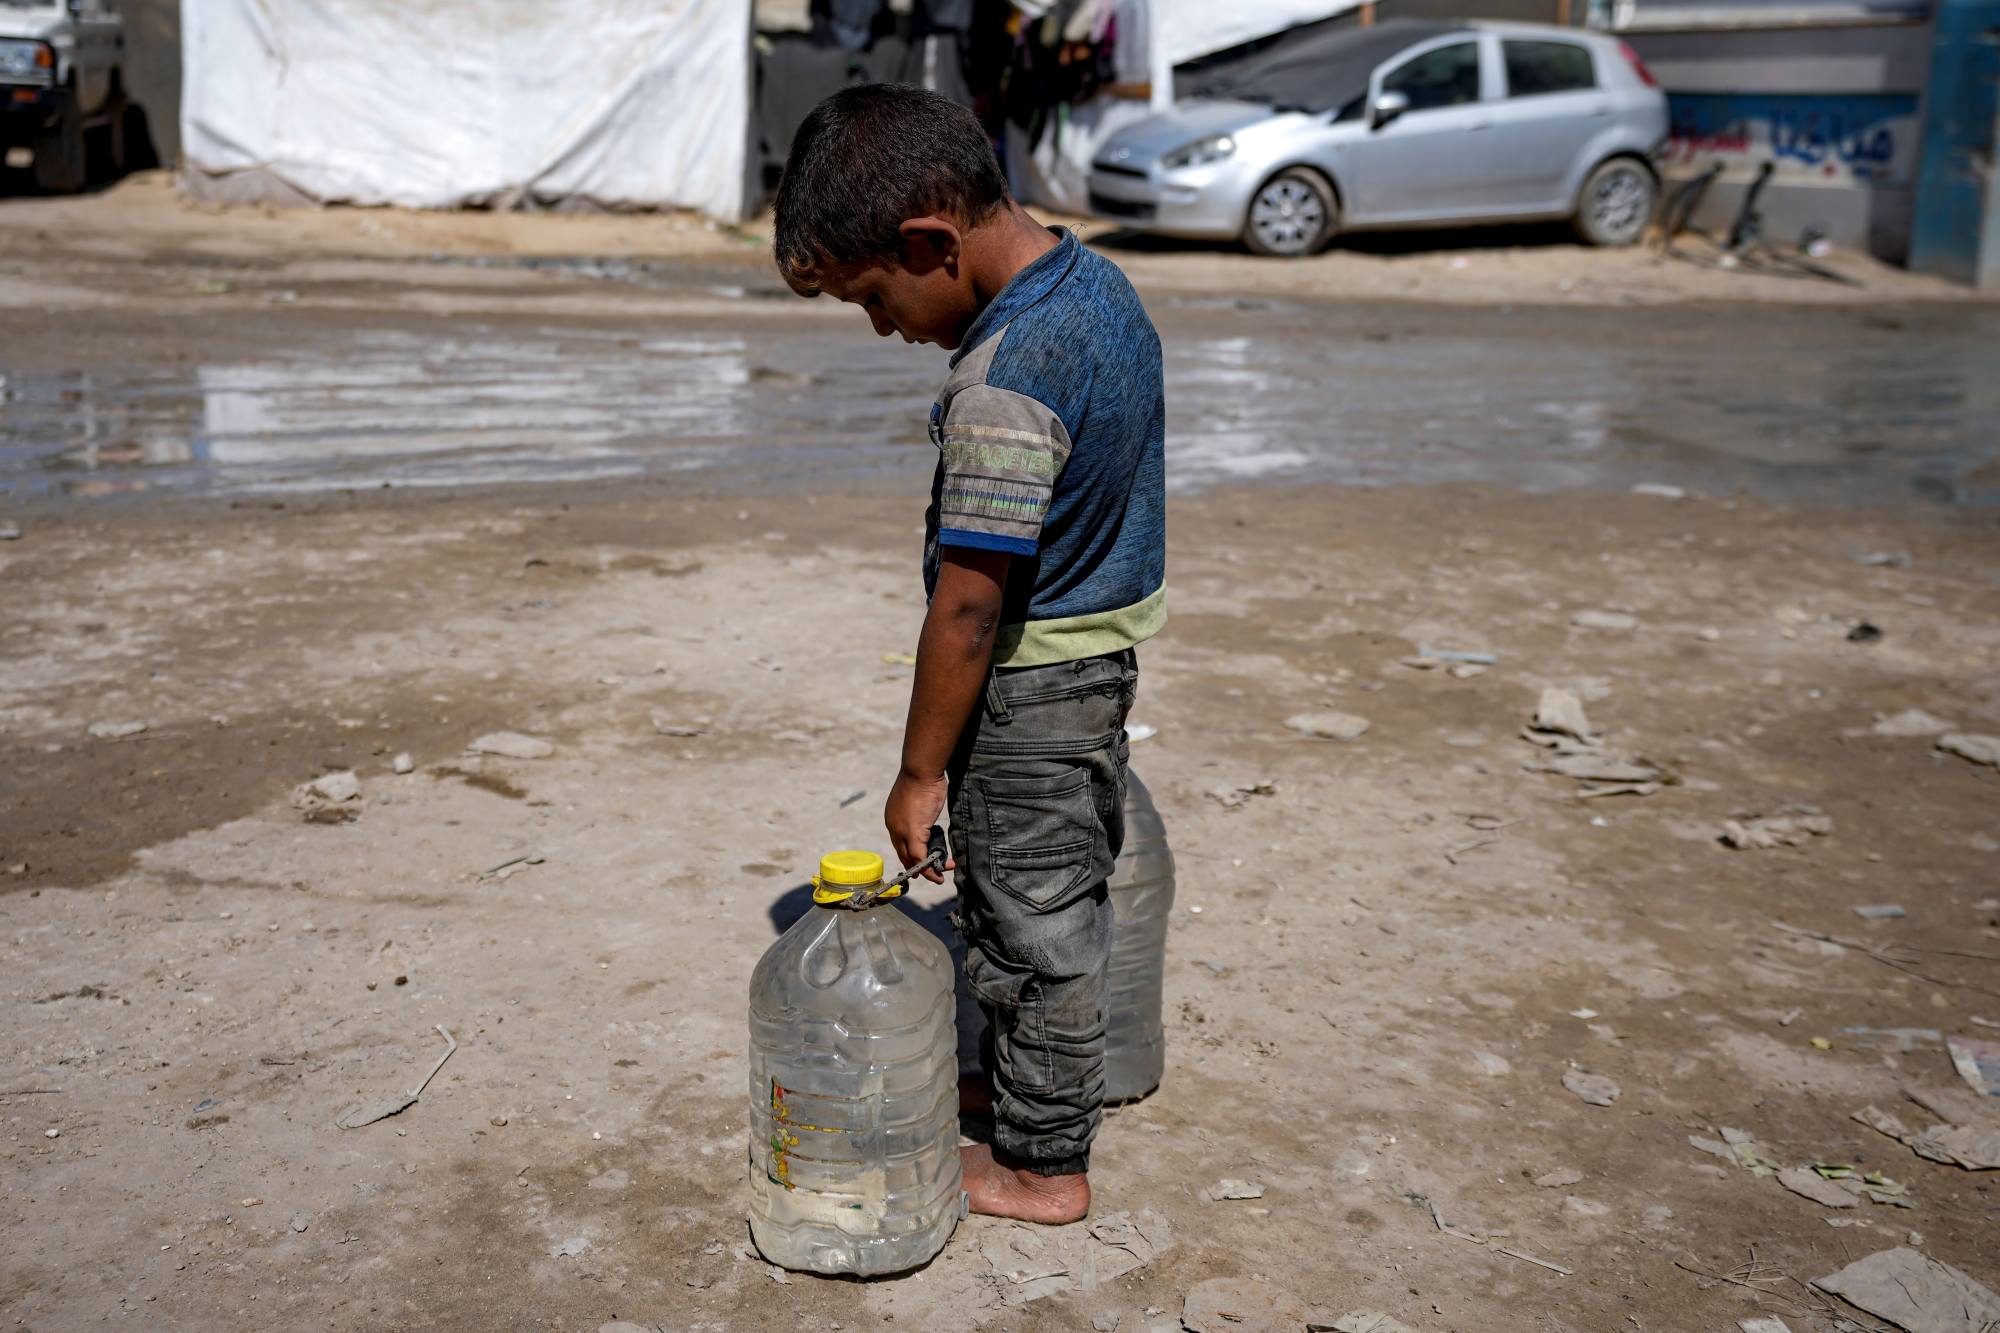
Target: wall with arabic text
[(1858, 139)]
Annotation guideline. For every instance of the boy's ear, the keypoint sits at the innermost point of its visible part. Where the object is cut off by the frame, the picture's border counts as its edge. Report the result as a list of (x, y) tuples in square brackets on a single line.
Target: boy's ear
[(931, 242)]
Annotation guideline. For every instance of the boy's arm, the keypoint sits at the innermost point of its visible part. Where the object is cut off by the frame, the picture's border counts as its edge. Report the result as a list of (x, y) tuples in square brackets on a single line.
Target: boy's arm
[(954, 654)]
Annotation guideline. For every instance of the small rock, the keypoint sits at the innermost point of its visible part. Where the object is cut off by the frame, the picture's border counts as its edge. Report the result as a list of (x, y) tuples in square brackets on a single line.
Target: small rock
[(667, 727), (51, 1133), (10, 533), (253, 1203), (1865, 632), (403, 763), (1329, 726), (1106, 1322), (1491, 1065), (498, 1122), (512, 745), (1789, 827), (1234, 1189), (334, 787), (1592, 1088), (1580, 1207), (1608, 620), (1658, 1216), (1880, 912), (1659, 490), (571, 1248), (1567, 1175), (115, 731), (1910, 722), (300, 1222), (1968, 745)]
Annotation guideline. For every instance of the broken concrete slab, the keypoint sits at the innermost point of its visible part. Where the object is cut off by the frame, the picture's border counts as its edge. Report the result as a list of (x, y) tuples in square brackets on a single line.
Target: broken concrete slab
[(512, 745), (1914, 1292)]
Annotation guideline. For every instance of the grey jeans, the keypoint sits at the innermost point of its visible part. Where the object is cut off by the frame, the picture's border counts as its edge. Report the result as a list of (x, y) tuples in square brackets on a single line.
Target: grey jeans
[(1037, 820)]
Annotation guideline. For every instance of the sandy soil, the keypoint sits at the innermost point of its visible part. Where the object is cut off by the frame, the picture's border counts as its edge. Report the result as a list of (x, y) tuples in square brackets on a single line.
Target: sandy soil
[(1371, 1012), (1402, 947), (144, 218)]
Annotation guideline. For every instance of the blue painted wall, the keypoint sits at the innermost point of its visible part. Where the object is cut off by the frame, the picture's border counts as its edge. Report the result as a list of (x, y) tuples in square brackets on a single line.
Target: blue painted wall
[(1956, 230)]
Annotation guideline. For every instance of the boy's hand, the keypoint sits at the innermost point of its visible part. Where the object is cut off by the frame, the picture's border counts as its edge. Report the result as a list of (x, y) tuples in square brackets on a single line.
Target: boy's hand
[(954, 653), (914, 806)]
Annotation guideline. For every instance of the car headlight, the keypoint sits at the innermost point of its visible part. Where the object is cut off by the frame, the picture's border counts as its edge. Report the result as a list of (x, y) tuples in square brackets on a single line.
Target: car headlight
[(1200, 153), (26, 62)]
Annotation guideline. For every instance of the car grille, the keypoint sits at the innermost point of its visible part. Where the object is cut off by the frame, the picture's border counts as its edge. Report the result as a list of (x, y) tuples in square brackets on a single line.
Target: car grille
[(1121, 208), (1115, 169)]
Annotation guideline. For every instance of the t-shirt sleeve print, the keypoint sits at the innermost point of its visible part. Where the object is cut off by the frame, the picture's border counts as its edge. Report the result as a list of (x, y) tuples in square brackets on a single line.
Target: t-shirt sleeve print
[(1002, 454)]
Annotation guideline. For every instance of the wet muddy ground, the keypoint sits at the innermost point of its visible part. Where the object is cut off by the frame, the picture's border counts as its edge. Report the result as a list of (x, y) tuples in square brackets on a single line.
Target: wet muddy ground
[(1404, 942)]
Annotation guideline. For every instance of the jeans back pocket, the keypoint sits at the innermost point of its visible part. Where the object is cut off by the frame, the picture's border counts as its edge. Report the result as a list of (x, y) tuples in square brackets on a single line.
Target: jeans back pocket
[(1041, 835)]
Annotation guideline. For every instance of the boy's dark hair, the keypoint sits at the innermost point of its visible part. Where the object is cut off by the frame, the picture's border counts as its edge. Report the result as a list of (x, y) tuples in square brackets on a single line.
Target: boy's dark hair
[(868, 159)]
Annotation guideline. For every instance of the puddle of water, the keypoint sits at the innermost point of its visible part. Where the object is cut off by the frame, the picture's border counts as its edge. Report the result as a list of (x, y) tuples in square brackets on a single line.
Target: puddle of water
[(1793, 405)]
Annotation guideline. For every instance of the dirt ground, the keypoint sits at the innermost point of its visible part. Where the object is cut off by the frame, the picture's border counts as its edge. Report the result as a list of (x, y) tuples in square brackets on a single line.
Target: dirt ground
[(1403, 944)]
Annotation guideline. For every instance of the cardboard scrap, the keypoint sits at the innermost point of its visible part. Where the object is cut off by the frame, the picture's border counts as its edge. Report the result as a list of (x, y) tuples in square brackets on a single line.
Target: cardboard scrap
[(1914, 1292)]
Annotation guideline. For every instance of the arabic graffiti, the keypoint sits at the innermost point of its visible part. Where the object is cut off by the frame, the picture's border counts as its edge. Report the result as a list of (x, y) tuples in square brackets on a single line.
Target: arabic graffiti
[(1866, 139)]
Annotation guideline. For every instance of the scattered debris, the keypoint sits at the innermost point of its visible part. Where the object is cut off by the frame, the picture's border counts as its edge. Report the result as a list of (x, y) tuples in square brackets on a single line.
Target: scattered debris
[(1606, 620), (357, 1116), (340, 785), (513, 866), (1864, 632), (512, 745), (1790, 1016), (1977, 1062), (1106, 1322), (300, 1222), (1886, 559), (115, 731), (403, 763), (1560, 725), (1241, 1305), (1880, 912), (1789, 826), (1901, 1040), (1970, 745), (1359, 1321), (1974, 1147), (1232, 797), (1660, 490), (1233, 1189), (1039, 1263), (1568, 1175), (665, 726), (852, 797), (1914, 1292), (1809, 1184), (1458, 656), (1595, 1089), (900, 659), (1763, 1324), (570, 1248), (1910, 722), (1328, 726)]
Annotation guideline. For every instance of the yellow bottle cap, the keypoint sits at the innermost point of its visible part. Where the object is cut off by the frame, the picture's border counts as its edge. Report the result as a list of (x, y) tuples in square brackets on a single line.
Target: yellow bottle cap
[(850, 869)]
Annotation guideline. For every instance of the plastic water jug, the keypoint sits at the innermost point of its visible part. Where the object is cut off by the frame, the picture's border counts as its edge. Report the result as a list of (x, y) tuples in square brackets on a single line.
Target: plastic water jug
[(853, 1084), (1142, 903)]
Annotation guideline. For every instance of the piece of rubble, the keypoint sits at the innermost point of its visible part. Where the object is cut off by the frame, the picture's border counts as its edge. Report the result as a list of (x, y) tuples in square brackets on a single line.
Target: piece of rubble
[(1329, 726), (1233, 1189), (403, 763), (512, 745), (1914, 1292), (1595, 1089), (1789, 826), (1809, 1184), (1974, 1147), (1568, 1175), (1232, 797), (1970, 745), (115, 731), (1605, 620), (1560, 713), (1241, 1305), (1910, 722), (1358, 1321)]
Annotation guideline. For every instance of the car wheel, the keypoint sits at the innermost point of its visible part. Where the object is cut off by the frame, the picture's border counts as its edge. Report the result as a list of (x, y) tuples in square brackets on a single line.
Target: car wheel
[(61, 160), (1617, 202), (1292, 215)]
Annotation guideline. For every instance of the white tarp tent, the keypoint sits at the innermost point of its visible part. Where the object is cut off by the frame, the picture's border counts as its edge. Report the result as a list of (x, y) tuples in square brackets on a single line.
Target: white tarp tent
[(448, 103), (1171, 32)]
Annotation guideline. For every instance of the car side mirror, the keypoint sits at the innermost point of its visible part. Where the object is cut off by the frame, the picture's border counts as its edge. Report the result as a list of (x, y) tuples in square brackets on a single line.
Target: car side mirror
[(1387, 107)]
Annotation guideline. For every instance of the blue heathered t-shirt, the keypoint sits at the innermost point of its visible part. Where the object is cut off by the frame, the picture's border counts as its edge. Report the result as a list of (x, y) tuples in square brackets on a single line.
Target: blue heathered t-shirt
[(1051, 432)]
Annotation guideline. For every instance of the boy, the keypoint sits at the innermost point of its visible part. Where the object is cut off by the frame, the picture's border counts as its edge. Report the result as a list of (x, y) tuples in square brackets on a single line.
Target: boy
[(1044, 561)]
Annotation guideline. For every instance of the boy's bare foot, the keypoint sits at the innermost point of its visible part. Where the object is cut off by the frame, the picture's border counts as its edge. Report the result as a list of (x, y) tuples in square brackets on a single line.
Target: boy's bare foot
[(1003, 1191), (975, 1097)]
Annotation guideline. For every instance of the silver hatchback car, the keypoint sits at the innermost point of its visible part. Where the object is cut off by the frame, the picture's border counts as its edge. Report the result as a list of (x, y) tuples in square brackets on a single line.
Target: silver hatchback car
[(1404, 124)]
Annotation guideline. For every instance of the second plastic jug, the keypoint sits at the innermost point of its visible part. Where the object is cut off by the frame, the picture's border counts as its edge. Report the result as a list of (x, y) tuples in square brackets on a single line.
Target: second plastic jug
[(853, 1085)]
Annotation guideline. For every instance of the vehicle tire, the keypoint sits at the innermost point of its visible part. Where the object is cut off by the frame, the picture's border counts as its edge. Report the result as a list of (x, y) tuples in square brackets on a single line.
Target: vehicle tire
[(1292, 215), (62, 162), (1617, 202)]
